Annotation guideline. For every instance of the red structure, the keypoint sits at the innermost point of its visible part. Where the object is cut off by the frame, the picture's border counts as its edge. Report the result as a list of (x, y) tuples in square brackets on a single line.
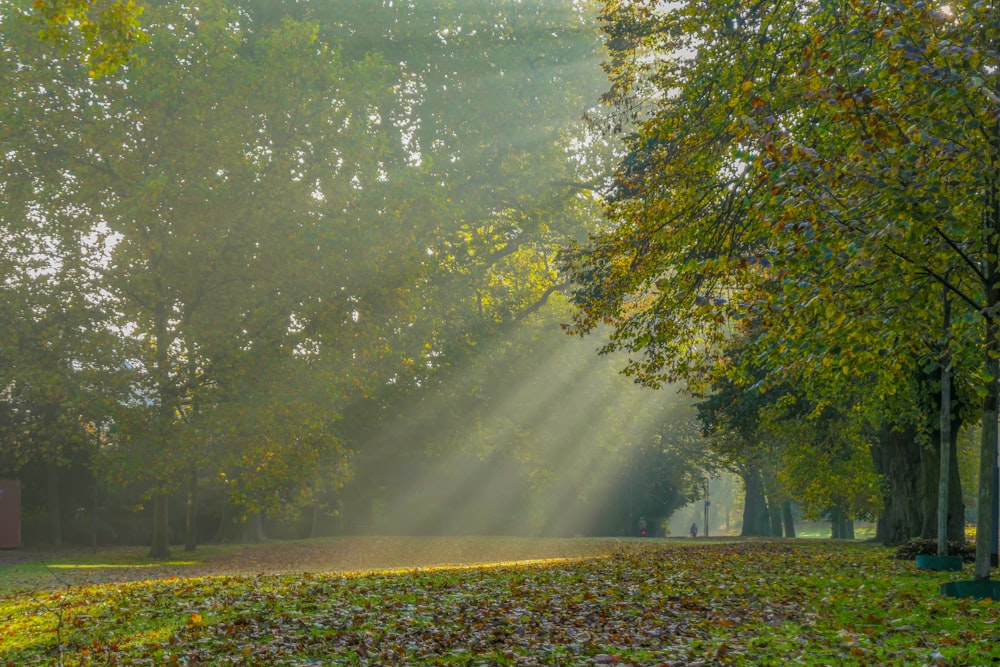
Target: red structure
[(10, 514)]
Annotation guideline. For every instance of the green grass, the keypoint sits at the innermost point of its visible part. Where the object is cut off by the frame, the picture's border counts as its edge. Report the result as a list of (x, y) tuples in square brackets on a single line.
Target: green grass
[(766, 603)]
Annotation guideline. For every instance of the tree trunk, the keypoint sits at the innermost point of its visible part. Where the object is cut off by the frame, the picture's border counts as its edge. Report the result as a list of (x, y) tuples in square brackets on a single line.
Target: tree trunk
[(940, 473), (956, 502), (787, 518), (897, 458), (930, 472), (986, 515), (191, 511), (841, 527), (756, 521), (986, 540), (944, 475), (253, 528), (220, 536), (912, 473), (774, 517), (314, 523), (160, 542), (160, 547), (53, 503), (95, 501)]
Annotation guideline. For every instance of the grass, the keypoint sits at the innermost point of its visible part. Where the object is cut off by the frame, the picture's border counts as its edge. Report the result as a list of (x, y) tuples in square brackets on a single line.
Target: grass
[(470, 602)]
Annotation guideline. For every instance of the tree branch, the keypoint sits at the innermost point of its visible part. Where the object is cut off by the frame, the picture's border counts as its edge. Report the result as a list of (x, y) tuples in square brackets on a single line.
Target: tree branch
[(542, 300), (968, 260), (942, 280)]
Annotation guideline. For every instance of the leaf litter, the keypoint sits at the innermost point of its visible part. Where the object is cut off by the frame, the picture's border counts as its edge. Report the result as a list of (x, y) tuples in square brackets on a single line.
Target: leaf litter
[(765, 603)]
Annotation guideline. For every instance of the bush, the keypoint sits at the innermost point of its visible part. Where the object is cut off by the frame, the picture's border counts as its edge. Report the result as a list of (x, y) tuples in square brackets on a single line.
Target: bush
[(925, 546)]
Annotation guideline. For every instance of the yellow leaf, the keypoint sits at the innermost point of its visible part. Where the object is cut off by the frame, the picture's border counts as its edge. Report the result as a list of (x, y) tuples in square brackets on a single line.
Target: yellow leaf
[(746, 87), (195, 620)]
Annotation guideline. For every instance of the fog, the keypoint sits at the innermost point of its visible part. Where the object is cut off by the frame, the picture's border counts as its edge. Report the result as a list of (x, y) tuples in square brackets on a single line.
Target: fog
[(550, 440), (295, 270)]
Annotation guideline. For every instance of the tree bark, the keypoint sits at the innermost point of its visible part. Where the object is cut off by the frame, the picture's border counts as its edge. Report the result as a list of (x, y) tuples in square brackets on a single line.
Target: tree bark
[(986, 515), (160, 541), (956, 503), (756, 521), (314, 524), (944, 440), (930, 468), (787, 518), (774, 516), (160, 547), (944, 475), (191, 511), (912, 475), (897, 458), (986, 545)]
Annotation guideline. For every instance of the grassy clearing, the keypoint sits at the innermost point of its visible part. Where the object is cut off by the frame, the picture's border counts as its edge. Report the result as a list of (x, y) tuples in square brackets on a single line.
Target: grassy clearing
[(640, 603)]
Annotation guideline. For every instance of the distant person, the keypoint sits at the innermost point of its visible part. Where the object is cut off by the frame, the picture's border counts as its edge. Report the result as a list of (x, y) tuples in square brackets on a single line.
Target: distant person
[(642, 526), (694, 530)]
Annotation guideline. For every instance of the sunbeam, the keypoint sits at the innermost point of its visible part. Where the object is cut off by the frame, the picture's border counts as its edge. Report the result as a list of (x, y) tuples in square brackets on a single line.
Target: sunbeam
[(545, 448)]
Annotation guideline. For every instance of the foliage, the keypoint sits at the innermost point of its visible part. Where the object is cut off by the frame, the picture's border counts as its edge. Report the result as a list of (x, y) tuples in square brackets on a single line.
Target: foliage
[(809, 176), (110, 32), (914, 547), (290, 223), (740, 603)]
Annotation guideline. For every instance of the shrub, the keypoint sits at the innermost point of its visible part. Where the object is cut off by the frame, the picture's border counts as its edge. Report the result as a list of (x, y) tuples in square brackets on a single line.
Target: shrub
[(925, 546)]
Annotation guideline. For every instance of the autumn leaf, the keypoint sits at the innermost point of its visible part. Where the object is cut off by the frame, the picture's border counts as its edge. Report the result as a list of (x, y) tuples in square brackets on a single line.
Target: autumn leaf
[(631, 603)]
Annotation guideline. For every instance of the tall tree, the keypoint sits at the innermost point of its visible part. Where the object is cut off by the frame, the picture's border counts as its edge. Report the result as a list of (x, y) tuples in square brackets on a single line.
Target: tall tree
[(784, 188), (220, 177)]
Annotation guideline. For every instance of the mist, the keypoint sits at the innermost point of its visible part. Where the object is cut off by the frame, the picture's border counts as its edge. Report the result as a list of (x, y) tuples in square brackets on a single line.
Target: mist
[(293, 271)]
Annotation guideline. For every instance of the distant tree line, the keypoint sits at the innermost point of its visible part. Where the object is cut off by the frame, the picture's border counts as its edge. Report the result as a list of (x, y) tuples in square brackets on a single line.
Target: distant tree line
[(288, 268)]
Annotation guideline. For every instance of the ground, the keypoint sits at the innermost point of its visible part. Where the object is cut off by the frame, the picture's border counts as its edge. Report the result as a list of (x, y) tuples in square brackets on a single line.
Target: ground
[(410, 601)]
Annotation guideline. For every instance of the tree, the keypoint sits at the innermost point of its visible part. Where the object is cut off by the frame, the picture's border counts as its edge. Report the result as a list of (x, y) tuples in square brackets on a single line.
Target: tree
[(217, 214), (105, 35), (283, 224), (802, 187), (52, 345)]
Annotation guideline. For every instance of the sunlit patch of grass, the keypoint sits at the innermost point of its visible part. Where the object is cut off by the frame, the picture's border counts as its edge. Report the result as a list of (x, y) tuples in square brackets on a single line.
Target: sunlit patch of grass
[(55, 571), (111, 566), (457, 567)]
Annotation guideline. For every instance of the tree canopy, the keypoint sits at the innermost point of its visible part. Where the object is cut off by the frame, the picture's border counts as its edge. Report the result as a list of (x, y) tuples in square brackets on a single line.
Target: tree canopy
[(806, 177), (252, 251)]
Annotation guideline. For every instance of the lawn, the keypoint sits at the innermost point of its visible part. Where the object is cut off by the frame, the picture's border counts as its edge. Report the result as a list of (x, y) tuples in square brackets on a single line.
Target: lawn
[(493, 601)]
